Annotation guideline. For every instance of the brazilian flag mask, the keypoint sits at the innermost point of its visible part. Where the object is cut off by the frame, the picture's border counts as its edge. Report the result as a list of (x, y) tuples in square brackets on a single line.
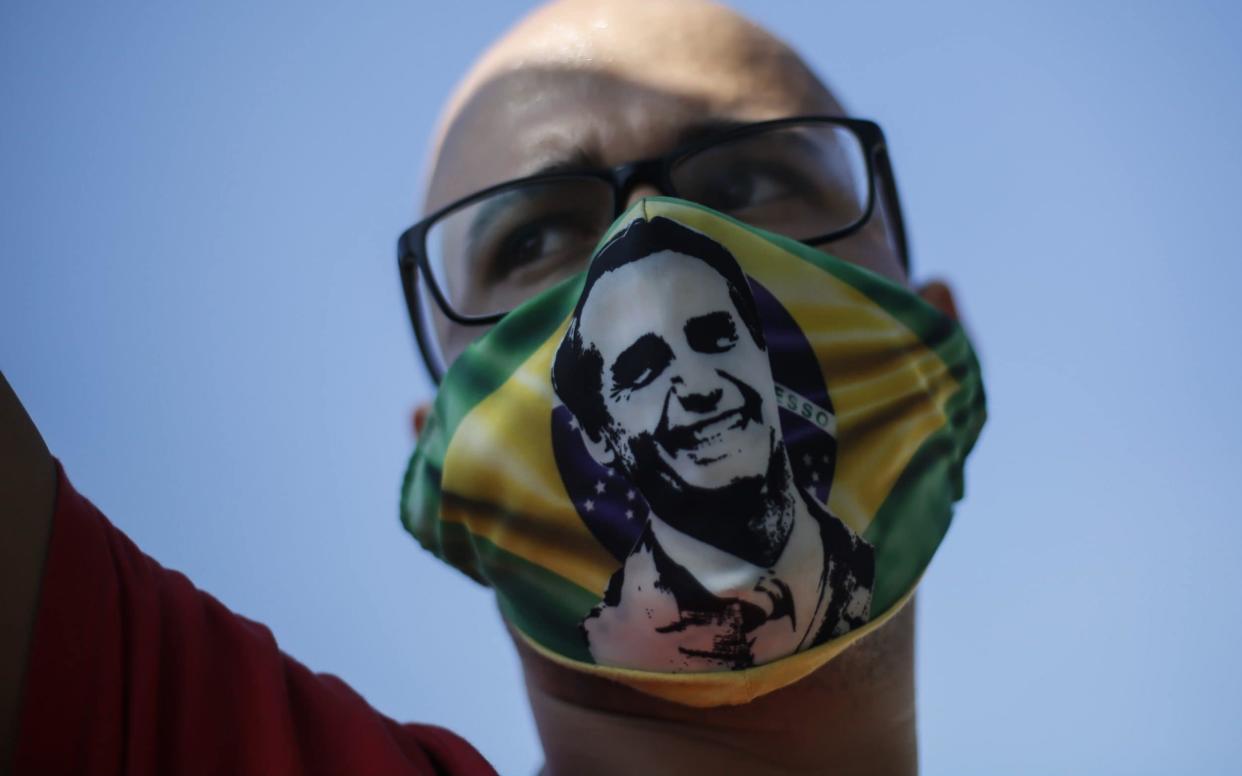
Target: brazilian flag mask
[(706, 465)]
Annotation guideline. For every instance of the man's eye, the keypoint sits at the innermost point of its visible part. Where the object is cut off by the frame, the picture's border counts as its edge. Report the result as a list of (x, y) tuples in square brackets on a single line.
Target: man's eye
[(640, 363), (549, 242), (742, 186), (711, 333)]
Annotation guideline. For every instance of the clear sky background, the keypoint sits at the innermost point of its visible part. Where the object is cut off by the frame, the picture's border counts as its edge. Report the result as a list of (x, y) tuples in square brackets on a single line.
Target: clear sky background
[(199, 306)]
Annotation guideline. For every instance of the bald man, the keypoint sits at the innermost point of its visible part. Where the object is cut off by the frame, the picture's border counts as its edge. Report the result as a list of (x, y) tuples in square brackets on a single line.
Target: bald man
[(582, 83)]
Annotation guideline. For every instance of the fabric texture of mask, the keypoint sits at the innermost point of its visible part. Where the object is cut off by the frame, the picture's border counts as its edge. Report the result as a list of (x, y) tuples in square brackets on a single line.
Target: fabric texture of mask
[(706, 465)]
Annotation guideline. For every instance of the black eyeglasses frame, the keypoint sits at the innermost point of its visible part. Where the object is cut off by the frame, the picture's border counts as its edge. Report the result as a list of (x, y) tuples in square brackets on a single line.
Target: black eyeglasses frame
[(413, 259)]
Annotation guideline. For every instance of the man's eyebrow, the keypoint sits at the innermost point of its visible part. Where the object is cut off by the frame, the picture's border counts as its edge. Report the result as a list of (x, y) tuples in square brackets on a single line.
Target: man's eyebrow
[(579, 158), (492, 208), (576, 160), (705, 130), (649, 352)]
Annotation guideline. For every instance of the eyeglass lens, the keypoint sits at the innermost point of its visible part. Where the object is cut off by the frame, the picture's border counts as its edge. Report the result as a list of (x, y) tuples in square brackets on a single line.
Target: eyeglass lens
[(802, 181)]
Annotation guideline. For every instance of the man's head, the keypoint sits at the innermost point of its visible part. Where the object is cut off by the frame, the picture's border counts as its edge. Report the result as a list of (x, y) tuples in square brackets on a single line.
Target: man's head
[(604, 82), (664, 363)]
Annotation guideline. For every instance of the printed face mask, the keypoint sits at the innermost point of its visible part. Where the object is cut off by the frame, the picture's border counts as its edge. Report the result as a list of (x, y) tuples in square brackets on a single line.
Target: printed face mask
[(705, 466)]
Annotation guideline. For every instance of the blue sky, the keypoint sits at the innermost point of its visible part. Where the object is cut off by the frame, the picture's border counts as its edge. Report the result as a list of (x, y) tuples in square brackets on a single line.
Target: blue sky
[(200, 308)]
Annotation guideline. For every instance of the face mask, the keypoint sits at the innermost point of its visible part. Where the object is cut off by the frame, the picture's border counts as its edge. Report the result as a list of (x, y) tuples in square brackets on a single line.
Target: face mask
[(705, 466)]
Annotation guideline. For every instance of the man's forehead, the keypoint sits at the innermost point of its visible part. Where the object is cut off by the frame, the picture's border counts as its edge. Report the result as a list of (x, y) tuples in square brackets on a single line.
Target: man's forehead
[(679, 46), (541, 119), (609, 318), (602, 78)]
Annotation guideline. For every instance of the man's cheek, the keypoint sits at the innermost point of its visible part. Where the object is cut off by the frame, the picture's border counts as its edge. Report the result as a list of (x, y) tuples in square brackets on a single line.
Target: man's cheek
[(753, 368), (642, 458), (637, 412)]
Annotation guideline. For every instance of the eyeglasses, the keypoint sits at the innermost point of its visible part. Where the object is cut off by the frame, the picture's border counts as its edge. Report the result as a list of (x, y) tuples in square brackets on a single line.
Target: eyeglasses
[(810, 178)]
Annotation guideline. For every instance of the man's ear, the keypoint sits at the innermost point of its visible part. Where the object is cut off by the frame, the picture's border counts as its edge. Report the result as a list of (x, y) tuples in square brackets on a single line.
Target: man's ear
[(418, 418), (938, 294)]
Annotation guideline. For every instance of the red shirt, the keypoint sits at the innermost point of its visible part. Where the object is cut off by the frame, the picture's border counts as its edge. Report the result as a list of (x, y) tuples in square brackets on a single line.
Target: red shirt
[(134, 670)]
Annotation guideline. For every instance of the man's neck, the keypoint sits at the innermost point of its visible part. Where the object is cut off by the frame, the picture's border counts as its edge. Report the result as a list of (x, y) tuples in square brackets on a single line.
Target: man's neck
[(797, 571), (853, 716)]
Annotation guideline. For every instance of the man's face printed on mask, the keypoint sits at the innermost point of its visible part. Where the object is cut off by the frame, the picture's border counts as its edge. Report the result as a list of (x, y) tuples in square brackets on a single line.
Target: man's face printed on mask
[(665, 370), (684, 378)]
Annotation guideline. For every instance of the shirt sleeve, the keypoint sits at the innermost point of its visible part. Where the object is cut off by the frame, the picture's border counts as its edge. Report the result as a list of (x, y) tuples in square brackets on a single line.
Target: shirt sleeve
[(133, 670)]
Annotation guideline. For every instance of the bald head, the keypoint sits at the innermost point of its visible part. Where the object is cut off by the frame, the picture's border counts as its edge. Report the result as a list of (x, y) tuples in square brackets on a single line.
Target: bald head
[(691, 48), (597, 83), (624, 36), (611, 78)]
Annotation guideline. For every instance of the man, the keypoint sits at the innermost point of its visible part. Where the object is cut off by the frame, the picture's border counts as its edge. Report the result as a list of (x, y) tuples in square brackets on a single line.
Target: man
[(598, 82), (665, 369), (613, 82)]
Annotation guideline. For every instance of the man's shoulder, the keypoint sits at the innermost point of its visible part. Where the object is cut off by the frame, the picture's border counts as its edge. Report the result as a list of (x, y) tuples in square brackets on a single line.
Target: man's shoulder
[(155, 648)]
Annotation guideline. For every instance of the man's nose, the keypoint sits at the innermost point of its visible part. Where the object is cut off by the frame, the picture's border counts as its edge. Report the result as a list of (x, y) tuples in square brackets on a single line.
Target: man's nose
[(640, 191)]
